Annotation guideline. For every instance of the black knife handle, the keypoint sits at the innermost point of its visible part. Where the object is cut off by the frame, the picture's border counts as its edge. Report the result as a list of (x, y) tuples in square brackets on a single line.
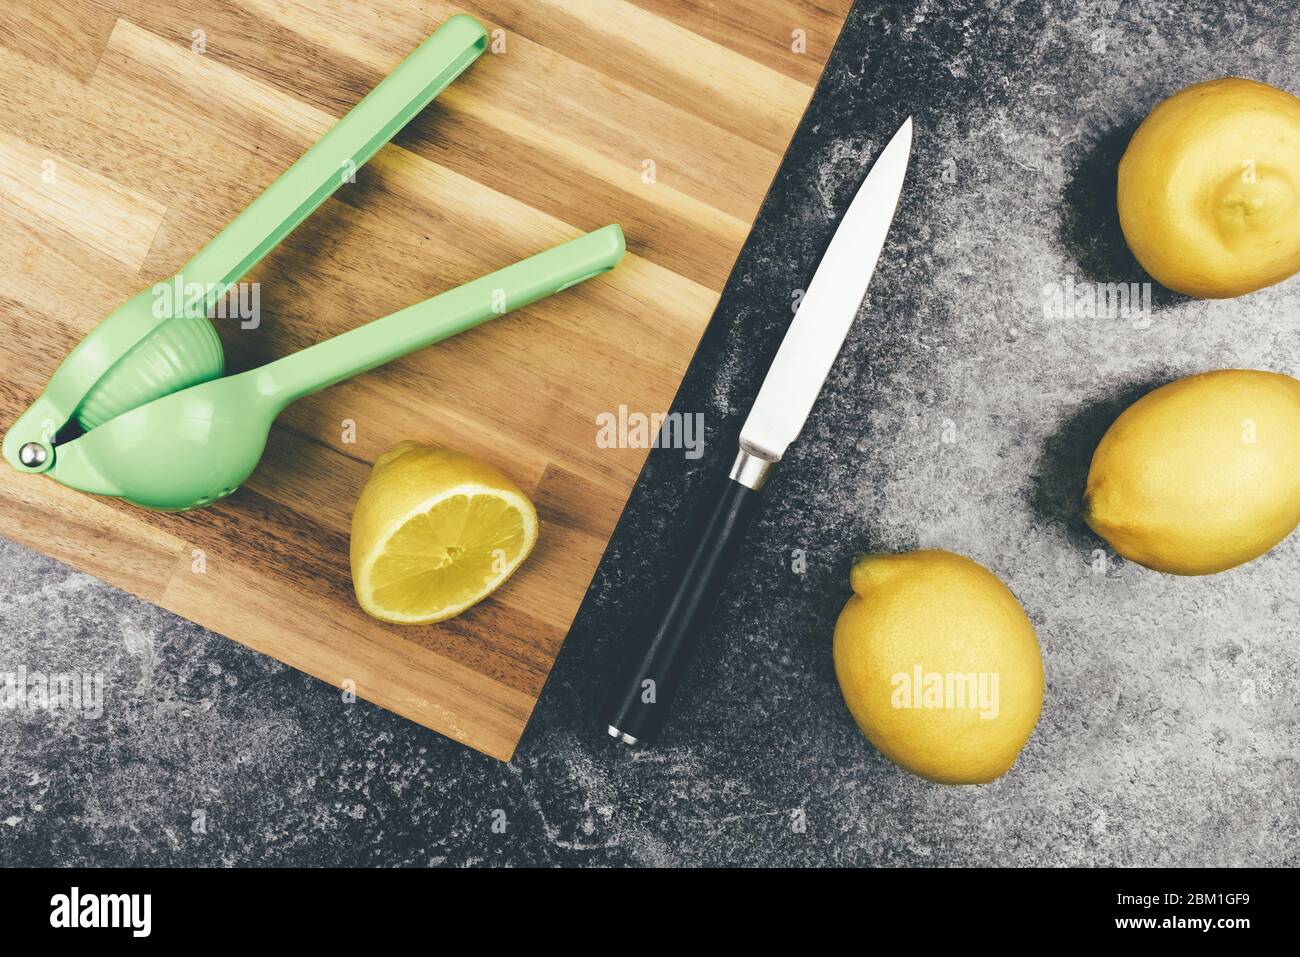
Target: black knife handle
[(647, 682)]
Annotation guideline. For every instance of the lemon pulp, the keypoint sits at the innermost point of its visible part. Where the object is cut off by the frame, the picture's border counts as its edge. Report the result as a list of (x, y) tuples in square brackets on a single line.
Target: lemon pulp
[(435, 532)]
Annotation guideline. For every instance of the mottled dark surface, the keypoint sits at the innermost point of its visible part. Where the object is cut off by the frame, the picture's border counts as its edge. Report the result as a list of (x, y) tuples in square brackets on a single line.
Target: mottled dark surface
[(958, 417)]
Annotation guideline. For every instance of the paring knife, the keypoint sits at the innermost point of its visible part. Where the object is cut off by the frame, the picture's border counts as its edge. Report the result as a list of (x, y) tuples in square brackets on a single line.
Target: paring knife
[(653, 670)]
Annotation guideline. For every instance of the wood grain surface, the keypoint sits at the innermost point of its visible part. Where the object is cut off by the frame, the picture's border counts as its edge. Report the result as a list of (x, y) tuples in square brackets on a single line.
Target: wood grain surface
[(132, 130)]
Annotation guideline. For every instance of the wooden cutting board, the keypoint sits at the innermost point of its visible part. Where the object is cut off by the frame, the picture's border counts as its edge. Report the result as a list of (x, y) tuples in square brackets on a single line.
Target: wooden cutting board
[(131, 131)]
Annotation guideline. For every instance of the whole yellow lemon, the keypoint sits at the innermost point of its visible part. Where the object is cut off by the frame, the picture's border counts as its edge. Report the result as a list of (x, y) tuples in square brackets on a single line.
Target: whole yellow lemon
[(938, 665), (1209, 189), (1202, 474)]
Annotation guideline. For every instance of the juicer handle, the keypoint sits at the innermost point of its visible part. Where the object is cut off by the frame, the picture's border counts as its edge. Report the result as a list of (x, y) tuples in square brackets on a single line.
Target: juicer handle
[(329, 163), (441, 317)]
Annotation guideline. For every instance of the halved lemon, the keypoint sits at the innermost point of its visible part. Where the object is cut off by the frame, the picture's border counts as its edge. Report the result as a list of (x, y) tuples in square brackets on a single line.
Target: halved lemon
[(434, 532)]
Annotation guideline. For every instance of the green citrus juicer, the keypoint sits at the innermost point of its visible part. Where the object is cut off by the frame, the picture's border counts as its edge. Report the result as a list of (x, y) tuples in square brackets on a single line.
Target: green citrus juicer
[(140, 409)]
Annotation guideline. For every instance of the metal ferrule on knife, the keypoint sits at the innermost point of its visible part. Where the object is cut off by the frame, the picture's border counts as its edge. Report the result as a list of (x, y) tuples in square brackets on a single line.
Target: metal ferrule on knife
[(750, 468)]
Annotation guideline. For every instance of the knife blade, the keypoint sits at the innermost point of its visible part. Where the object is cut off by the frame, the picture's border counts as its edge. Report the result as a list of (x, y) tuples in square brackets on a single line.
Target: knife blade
[(828, 307), (646, 683)]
